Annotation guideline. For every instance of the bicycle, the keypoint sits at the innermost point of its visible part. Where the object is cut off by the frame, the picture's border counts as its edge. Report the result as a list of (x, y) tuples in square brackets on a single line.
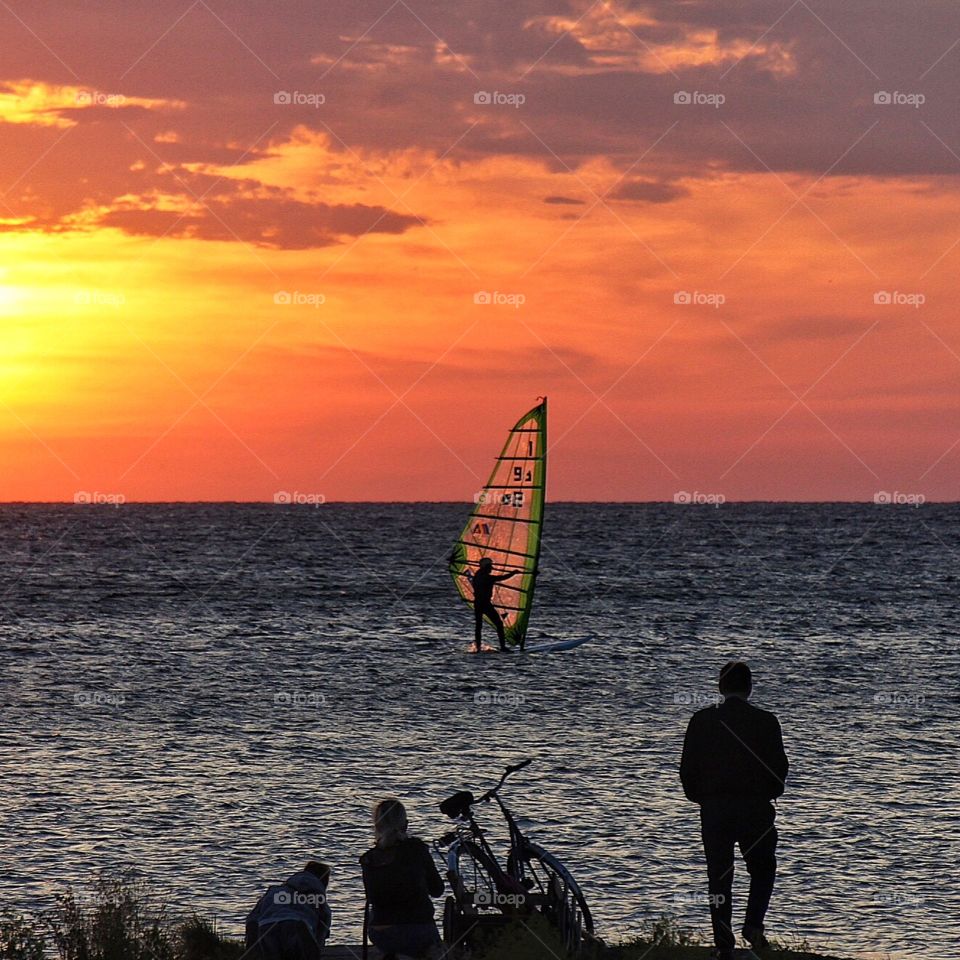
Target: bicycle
[(485, 893)]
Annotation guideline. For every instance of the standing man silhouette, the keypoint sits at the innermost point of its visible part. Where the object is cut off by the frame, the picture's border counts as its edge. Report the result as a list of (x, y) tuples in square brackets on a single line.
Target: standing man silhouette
[(734, 765), (483, 581)]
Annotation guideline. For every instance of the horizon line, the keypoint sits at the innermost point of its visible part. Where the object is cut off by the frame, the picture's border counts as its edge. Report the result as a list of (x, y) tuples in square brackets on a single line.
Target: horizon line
[(324, 502)]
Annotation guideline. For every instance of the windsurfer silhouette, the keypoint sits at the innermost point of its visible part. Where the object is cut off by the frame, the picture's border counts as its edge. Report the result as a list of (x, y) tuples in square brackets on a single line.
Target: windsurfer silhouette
[(483, 582)]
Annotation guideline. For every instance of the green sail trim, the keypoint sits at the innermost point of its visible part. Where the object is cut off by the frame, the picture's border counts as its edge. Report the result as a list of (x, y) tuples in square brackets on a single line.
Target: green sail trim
[(506, 524)]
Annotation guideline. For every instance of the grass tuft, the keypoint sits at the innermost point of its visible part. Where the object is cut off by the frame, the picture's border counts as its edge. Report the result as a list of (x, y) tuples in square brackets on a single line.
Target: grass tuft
[(19, 938)]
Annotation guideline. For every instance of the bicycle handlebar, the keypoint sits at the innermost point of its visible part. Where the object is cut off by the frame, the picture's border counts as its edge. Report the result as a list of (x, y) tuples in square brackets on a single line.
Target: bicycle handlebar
[(506, 773), (459, 804), (518, 766)]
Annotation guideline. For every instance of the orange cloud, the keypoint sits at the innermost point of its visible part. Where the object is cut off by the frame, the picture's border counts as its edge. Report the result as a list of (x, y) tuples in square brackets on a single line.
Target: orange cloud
[(53, 105), (616, 37)]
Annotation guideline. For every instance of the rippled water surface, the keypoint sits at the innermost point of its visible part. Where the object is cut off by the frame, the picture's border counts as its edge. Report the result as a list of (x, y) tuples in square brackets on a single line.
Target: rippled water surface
[(217, 693)]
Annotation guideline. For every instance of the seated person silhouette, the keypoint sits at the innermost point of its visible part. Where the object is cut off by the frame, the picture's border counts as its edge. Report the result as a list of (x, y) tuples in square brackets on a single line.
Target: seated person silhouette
[(291, 920), (400, 878), (734, 765)]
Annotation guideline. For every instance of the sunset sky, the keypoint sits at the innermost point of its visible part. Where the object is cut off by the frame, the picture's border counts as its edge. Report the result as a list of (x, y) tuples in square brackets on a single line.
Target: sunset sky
[(241, 245)]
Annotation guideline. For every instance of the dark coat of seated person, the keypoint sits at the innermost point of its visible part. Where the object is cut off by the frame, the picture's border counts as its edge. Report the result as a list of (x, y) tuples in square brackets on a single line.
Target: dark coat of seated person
[(400, 880), (291, 920)]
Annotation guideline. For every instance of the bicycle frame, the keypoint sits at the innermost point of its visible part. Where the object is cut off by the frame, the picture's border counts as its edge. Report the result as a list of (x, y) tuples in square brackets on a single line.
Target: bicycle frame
[(507, 880), (485, 892)]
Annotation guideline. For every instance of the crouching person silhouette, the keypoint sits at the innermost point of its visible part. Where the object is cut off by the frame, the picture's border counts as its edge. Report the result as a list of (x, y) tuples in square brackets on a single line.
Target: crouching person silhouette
[(291, 920), (734, 765), (400, 878)]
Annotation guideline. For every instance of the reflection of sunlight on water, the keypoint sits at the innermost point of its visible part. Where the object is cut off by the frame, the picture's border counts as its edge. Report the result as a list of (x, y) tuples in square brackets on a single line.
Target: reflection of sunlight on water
[(9, 296), (206, 698)]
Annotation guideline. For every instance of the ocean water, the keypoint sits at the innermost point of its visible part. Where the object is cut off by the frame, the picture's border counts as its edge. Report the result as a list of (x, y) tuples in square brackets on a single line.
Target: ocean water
[(216, 693)]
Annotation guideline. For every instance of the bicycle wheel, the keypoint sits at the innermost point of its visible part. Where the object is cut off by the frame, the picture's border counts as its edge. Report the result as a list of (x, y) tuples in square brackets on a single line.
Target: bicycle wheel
[(563, 903), (471, 873)]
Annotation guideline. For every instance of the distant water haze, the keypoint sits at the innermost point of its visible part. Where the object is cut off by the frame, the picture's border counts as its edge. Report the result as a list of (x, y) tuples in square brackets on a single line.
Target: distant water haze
[(216, 693)]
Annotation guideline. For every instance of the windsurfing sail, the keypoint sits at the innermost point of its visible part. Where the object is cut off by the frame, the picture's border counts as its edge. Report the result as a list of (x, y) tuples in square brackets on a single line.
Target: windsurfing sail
[(506, 522)]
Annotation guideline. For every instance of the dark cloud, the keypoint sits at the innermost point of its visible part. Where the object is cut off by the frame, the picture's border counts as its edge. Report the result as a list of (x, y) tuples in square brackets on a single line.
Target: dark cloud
[(801, 98), (562, 200), (282, 224)]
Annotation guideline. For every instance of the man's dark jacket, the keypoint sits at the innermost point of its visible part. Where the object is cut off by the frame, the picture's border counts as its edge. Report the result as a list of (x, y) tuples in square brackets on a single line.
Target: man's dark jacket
[(733, 751)]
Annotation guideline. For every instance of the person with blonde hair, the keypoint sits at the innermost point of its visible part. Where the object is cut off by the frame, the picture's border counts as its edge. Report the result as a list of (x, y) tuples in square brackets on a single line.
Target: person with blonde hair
[(400, 879)]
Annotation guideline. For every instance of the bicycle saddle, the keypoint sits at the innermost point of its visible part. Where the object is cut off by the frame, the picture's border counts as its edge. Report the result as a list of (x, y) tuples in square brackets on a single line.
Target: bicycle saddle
[(458, 805)]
